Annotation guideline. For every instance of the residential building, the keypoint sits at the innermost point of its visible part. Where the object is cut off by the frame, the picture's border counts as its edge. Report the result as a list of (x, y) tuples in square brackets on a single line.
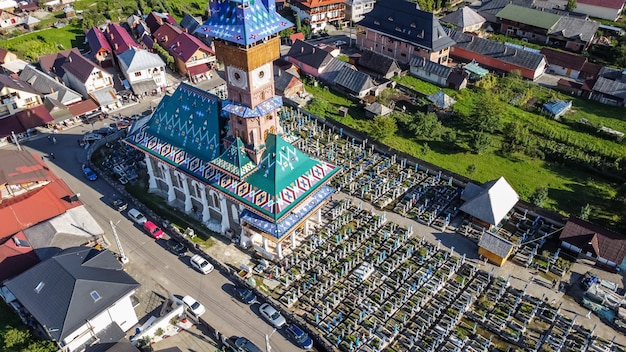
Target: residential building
[(563, 63), (91, 80), (464, 19), (144, 71), (8, 19), (320, 13), (489, 9), (287, 82), (605, 9), (91, 294), (488, 204), (7, 56), (400, 30), (574, 34), (53, 64), (378, 65), (589, 241), (99, 47), (353, 82), (16, 95), (314, 61), (256, 186), (356, 9), (610, 87), (119, 39), (192, 57), (166, 34), (190, 23), (154, 20), (40, 214), (501, 57), (430, 71)]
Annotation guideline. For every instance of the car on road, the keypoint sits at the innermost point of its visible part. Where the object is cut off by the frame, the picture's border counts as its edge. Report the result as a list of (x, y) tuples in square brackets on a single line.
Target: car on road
[(89, 173), (245, 345), (193, 308), (153, 230), (105, 131), (118, 203), (176, 247), (201, 264), (136, 216), (299, 337), (245, 295), (271, 314), (339, 43)]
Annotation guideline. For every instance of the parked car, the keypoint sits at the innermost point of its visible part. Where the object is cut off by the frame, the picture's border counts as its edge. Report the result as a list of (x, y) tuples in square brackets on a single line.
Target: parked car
[(153, 230), (193, 308), (89, 138), (89, 173), (136, 216), (339, 43), (176, 247), (105, 131), (245, 345), (245, 295), (299, 337), (271, 314), (118, 203), (201, 264)]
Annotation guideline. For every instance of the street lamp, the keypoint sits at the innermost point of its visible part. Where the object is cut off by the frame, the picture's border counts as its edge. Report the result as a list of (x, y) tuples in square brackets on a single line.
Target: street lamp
[(268, 348)]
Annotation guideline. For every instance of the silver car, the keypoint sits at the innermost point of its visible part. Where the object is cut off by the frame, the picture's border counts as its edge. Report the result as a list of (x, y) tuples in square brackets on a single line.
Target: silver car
[(271, 314)]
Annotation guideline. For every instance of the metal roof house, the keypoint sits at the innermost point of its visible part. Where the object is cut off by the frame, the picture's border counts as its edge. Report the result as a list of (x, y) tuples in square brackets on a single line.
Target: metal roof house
[(231, 161), (495, 248), (400, 30), (488, 204), (75, 298)]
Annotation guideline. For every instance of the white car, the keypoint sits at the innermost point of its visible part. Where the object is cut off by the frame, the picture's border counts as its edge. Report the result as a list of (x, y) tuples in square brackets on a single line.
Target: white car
[(136, 216), (201, 264), (193, 308), (339, 43), (271, 314)]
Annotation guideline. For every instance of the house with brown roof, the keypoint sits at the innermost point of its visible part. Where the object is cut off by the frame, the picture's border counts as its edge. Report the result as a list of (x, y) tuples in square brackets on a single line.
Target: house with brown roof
[(287, 82), (590, 241), (166, 34), (378, 65), (400, 30), (154, 20), (563, 63), (91, 80), (99, 47), (7, 56), (119, 39), (53, 64), (37, 212), (192, 57), (319, 13)]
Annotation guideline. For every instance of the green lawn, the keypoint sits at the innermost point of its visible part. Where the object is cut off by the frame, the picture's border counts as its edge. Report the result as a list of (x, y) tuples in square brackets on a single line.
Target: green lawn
[(32, 45)]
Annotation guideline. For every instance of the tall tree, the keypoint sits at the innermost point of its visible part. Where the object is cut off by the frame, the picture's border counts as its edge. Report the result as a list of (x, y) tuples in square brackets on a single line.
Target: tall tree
[(571, 5), (486, 113), (382, 127)]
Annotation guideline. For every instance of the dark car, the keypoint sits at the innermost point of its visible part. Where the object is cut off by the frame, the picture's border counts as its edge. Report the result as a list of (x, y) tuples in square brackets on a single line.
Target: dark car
[(245, 295), (299, 337), (245, 345), (118, 203), (176, 247)]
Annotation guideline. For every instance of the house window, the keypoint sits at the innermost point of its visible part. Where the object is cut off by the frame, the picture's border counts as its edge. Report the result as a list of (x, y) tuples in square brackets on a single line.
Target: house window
[(390, 50), (138, 74), (95, 295), (403, 54)]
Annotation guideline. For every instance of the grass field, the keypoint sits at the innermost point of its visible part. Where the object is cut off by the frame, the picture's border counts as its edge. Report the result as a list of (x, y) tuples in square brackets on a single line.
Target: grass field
[(569, 188)]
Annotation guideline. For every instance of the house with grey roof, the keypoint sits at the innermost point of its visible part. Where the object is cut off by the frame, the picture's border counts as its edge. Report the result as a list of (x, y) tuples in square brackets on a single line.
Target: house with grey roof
[(48, 86), (91, 80), (378, 65), (610, 87), (430, 71), (495, 248), (464, 19), (354, 82), (78, 297), (488, 204), (401, 30), (314, 61), (144, 71), (498, 56)]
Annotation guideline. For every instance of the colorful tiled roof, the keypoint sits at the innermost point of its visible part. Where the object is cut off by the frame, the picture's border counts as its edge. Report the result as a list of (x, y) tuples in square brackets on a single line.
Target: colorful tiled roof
[(260, 110), (243, 21), (235, 160)]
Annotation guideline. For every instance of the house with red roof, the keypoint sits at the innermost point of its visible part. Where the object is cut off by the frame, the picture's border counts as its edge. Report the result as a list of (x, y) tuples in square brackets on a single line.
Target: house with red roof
[(39, 213), (166, 34), (119, 39), (100, 48), (563, 63), (318, 13), (605, 9), (192, 57), (586, 240), (53, 64), (155, 19)]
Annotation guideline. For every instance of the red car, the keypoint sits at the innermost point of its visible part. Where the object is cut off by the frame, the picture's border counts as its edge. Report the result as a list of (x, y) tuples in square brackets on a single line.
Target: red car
[(152, 229)]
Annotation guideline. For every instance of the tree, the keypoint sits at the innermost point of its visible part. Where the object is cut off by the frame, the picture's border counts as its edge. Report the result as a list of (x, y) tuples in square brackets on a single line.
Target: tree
[(485, 116), (540, 196), (480, 142), (382, 127), (298, 23), (571, 5), (165, 56), (15, 337), (585, 211), (426, 125), (516, 137)]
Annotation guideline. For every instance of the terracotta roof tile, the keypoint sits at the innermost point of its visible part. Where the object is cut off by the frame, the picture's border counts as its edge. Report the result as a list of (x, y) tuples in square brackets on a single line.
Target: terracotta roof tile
[(590, 237)]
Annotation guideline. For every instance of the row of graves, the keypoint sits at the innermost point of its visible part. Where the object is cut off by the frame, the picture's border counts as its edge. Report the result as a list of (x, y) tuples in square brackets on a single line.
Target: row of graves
[(386, 182), (367, 284)]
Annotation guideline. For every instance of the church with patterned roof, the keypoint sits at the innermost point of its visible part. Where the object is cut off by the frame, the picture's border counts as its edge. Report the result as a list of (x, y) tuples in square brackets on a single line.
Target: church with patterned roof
[(229, 162)]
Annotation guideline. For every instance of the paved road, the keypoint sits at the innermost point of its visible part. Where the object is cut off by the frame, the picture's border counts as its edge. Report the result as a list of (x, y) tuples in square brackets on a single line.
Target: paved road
[(149, 260)]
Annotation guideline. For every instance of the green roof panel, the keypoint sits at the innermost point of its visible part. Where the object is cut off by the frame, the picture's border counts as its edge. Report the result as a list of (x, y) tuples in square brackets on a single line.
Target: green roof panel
[(531, 17)]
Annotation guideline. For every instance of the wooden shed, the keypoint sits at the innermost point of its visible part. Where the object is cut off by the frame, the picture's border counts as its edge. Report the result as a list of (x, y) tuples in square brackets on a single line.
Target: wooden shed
[(495, 248)]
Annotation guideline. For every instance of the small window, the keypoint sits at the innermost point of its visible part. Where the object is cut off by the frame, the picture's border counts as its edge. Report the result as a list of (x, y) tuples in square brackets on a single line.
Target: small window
[(20, 243), (95, 295), (376, 23), (138, 74)]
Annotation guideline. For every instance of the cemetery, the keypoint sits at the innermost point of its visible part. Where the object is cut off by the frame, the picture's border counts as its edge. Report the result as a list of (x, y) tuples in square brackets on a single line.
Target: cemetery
[(366, 283)]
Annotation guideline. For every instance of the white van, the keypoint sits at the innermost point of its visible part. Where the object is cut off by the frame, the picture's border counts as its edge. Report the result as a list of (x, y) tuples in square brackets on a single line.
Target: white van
[(201, 264)]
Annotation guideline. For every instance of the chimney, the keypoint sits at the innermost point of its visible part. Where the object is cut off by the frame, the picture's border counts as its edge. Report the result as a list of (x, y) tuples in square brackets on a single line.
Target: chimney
[(178, 44), (51, 90), (116, 46), (313, 52)]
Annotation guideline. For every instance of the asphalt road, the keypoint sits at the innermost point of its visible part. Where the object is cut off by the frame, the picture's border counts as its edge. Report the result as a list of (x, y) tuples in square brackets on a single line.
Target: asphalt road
[(148, 256)]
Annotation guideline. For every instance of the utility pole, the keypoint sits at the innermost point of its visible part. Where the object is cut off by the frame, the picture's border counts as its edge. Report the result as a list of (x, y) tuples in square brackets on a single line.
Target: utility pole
[(17, 143), (123, 257), (268, 348)]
